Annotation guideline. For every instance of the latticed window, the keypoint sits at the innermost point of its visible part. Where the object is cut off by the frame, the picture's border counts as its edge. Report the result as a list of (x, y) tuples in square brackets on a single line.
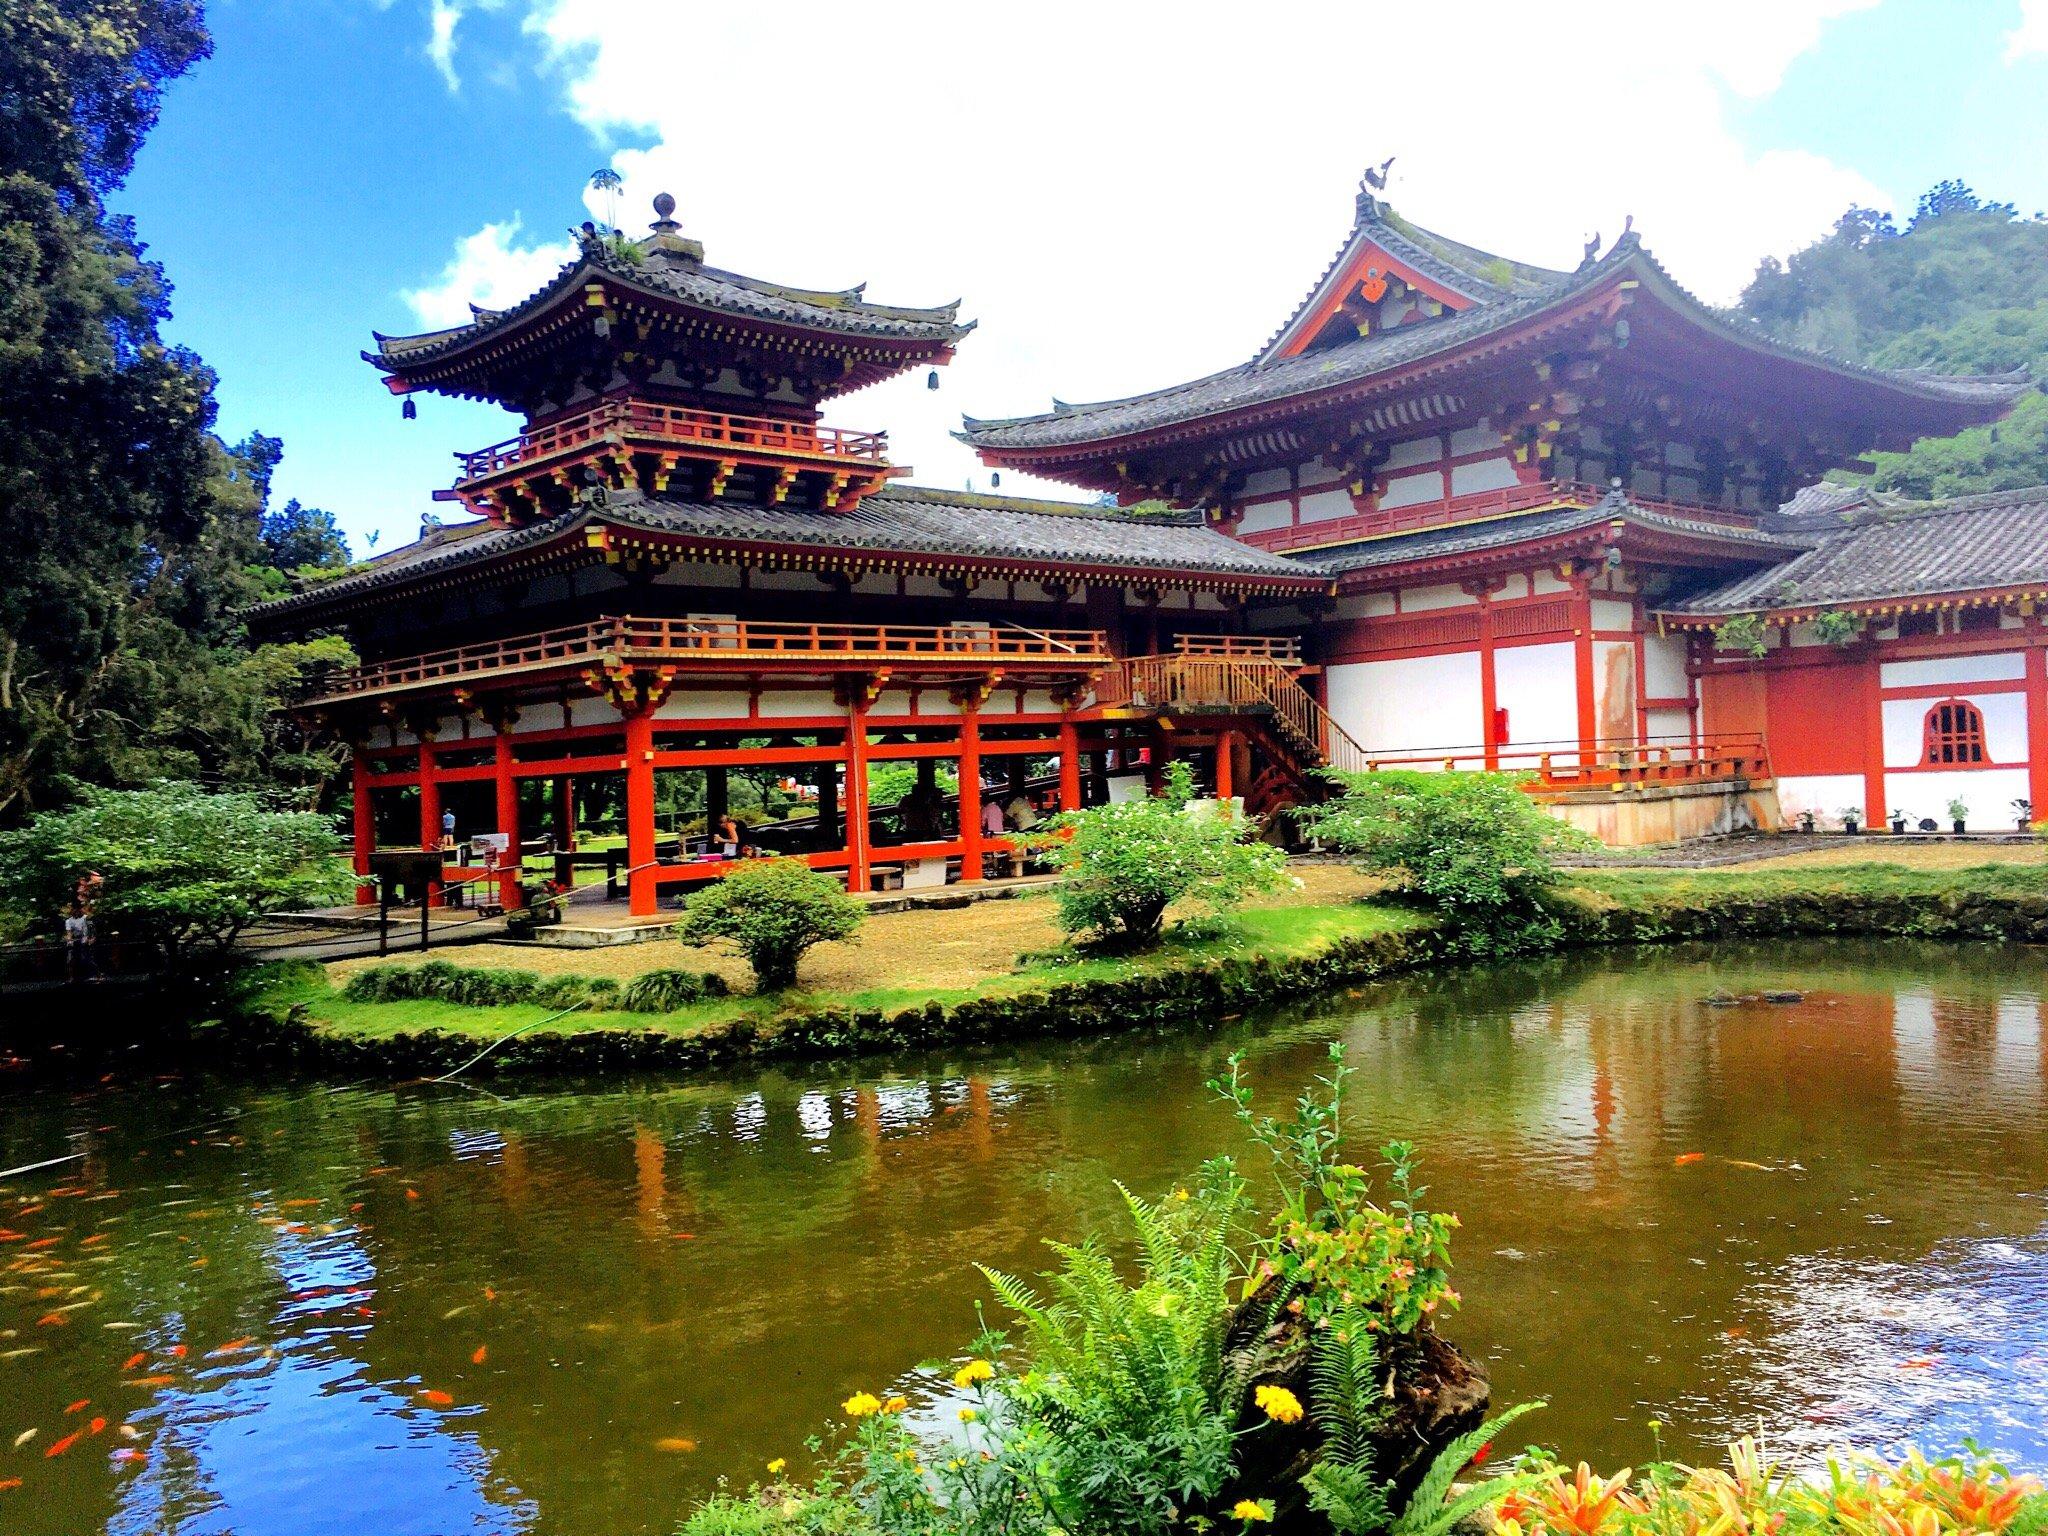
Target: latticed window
[(1954, 733)]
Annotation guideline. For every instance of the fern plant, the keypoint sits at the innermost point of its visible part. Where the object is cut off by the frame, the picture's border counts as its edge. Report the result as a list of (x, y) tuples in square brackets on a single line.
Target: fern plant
[(1433, 1511), (1129, 1395), (1349, 1407)]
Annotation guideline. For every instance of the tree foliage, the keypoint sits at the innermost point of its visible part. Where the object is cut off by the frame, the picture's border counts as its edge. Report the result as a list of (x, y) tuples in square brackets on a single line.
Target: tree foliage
[(1471, 847), (1963, 288), (1122, 865), (184, 871), (773, 911), (128, 533)]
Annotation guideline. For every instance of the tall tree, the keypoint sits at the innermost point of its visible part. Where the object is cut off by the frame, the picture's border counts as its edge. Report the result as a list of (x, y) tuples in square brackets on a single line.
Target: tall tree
[(1962, 289)]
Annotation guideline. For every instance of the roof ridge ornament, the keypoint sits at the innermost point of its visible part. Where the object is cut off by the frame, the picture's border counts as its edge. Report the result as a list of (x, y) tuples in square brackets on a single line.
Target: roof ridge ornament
[(1373, 181), (668, 240)]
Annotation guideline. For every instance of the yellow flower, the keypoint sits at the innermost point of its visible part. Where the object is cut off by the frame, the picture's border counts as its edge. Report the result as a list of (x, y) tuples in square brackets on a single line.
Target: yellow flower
[(1280, 1405), (1251, 1511), (861, 1404), (973, 1371), (968, 1415), (896, 1405), (775, 1467), (1180, 1194)]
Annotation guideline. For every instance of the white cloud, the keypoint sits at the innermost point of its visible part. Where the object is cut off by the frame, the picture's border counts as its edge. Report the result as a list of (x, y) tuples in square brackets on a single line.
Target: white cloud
[(488, 269), (1128, 197), (2030, 36)]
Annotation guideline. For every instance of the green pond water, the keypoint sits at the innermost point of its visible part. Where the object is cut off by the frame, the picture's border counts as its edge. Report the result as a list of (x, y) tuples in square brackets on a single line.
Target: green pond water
[(573, 1308)]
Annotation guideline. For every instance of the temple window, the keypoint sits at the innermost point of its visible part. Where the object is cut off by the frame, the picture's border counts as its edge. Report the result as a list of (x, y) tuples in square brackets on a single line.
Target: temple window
[(1913, 624), (1971, 621), (1954, 733)]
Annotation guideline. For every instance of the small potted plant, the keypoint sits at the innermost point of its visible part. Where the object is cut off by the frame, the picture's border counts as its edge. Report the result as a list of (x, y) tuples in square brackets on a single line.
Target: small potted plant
[(1958, 813), (1852, 821), (1898, 819), (2023, 814), (1806, 821)]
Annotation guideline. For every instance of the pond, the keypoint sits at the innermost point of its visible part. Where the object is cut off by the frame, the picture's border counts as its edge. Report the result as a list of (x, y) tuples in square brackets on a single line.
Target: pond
[(573, 1308)]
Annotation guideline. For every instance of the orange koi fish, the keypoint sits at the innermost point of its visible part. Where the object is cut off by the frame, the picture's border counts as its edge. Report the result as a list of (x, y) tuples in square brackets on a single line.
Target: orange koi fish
[(677, 1443), (129, 1453), (59, 1447), (232, 1347), (96, 1426), (9, 1483), (79, 1406), (437, 1399), (150, 1381), (1686, 1157), (133, 1361), (481, 1351)]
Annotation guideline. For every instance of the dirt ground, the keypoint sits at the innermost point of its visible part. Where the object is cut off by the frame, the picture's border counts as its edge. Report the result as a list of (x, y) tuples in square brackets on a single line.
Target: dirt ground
[(955, 947), (1888, 850)]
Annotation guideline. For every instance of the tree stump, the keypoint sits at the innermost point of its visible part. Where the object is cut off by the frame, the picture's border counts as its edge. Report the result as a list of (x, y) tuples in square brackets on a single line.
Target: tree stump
[(1439, 1392)]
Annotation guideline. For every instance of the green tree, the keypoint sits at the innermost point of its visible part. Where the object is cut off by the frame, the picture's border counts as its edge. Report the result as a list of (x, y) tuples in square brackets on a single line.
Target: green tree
[(1122, 865), (1963, 289), (1471, 847), (183, 871), (772, 911)]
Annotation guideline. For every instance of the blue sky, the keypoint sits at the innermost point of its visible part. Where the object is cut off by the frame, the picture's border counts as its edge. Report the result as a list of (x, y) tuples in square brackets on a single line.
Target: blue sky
[(1122, 201)]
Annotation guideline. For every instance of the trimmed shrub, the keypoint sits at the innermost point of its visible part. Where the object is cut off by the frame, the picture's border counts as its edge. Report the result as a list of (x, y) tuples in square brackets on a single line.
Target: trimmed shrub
[(475, 987), (772, 910), (1122, 865), (666, 991)]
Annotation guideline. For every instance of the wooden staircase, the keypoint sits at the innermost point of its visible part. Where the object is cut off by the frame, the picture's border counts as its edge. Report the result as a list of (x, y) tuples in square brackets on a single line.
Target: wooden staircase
[(1259, 688)]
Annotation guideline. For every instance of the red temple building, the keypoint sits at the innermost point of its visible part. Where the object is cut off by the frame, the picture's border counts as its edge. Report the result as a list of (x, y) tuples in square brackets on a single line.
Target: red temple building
[(1542, 496), (1459, 511)]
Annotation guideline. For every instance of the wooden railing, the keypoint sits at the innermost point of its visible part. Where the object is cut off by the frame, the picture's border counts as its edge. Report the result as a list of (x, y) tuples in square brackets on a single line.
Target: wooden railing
[(1477, 504), (651, 422), (1285, 649), (735, 640), (1601, 763)]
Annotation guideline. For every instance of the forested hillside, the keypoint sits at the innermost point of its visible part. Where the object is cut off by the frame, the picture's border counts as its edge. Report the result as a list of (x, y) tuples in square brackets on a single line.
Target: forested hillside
[(1963, 288)]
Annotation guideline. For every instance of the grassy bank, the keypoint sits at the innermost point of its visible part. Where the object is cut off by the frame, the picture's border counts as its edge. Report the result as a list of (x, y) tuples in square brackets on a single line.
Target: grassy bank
[(914, 985)]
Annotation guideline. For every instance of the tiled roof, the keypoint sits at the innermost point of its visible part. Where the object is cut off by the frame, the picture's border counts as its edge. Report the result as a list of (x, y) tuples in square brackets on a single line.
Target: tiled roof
[(1498, 532), (667, 271), (1965, 545), (909, 520), (1267, 380)]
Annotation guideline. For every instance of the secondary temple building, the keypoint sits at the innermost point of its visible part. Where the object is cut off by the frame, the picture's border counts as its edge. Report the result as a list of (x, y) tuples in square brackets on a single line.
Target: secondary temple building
[(1459, 511)]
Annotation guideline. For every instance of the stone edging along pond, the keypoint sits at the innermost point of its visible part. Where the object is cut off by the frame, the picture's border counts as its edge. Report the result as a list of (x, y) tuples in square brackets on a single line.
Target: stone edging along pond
[(2002, 909)]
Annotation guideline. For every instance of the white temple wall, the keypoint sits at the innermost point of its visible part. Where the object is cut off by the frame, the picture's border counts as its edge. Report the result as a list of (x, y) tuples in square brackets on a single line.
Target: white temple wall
[(1408, 703), (1538, 686)]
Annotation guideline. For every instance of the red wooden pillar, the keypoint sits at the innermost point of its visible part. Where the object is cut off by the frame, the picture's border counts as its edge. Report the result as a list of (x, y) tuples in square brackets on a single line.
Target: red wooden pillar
[(364, 826), (1226, 767), (1873, 740), (970, 789), (1582, 666), (640, 888), (1070, 767), (857, 792), (508, 820), (565, 812), (1489, 692), (2037, 716), (430, 812)]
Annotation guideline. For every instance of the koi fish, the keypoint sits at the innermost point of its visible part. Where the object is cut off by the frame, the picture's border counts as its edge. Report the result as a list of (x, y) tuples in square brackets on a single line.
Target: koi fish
[(23, 1438), (411, 1193), (133, 1361), (232, 1347), (43, 1242), (97, 1237), (16, 1354), (454, 1312), (436, 1398), (1737, 1162), (9, 1483), (80, 1406), (128, 1453), (96, 1426), (1686, 1157), (481, 1351), (1919, 1363), (1737, 1332), (676, 1443), (296, 1205), (489, 1294), (52, 1320), (59, 1447), (150, 1381)]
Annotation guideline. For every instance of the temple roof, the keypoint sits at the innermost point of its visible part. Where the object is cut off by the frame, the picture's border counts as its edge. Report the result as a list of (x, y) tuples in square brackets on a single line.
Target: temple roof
[(669, 269), (1901, 550), (898, 520), (1456, 539), (1495, 300)]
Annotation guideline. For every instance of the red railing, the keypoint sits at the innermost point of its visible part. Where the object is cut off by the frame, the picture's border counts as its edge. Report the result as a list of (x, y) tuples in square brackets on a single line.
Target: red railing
[(1602, 764), (1478, 504), (735, 640), (646, 421)]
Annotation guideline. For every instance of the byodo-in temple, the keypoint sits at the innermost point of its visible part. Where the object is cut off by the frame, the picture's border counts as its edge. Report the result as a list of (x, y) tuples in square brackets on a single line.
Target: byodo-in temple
[(1459, 512)]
